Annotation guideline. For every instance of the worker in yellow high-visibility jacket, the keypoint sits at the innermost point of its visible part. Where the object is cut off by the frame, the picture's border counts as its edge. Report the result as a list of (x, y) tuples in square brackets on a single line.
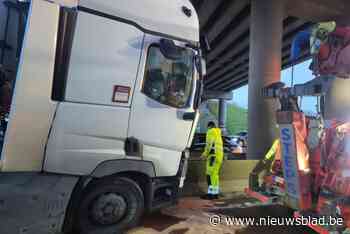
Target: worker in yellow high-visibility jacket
[(274, 154), (270, 163), (214, 154)]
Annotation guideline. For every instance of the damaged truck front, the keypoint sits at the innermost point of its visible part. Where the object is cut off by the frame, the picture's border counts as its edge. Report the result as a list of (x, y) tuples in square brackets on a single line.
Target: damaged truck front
[(104, 99)]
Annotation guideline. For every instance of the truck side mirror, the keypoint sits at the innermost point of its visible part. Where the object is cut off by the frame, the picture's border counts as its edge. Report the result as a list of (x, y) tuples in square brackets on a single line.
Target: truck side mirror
[(201, 66), (198, 95), (169, 49), (205, 45)]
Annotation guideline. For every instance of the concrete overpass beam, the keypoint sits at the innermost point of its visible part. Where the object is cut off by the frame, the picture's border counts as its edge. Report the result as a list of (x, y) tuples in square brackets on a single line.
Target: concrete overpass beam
[(264, 69)]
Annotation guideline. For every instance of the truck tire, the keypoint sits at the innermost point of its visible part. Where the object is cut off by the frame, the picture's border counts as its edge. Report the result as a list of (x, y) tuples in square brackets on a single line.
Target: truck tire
[(110, 207)]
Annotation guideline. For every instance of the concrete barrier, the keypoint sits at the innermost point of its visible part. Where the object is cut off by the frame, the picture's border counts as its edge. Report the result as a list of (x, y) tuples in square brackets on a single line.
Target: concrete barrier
[(234, 176)]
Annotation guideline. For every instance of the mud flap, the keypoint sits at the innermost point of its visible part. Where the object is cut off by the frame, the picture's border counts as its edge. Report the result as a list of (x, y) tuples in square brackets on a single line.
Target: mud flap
[(32, 203)]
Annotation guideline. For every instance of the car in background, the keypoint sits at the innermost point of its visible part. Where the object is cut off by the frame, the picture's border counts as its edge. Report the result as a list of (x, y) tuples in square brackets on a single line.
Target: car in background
[(243, 136), (234, 139), (232, 149), (198, 143)]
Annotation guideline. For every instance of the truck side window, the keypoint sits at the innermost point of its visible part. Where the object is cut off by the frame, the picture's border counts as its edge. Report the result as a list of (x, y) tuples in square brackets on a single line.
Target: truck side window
[(168, 81)]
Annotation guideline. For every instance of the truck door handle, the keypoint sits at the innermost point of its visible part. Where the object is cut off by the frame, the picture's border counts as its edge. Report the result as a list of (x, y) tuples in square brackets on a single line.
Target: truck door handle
[(133, 147), (189, 116)]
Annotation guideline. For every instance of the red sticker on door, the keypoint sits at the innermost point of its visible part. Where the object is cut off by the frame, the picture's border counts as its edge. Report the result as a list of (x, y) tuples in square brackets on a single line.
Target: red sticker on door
[(121, 94)]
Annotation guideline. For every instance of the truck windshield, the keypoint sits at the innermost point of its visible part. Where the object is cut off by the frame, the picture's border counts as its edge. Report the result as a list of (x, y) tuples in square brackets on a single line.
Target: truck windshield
[(169, 81)]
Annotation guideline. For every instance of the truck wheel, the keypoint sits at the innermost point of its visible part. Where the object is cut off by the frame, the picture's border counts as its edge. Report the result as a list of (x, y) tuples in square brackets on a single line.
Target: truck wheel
[(110, 207)]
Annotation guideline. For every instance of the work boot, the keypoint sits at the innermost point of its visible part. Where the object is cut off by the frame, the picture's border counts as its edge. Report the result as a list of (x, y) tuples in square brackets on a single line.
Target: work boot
[(207, 197)]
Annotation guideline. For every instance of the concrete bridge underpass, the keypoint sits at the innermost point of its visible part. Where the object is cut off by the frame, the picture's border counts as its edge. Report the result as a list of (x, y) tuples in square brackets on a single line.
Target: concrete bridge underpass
[(250, 44)]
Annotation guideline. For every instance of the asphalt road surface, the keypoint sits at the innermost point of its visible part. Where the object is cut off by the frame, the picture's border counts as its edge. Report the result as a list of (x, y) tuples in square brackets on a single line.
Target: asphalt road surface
[(192, 216)]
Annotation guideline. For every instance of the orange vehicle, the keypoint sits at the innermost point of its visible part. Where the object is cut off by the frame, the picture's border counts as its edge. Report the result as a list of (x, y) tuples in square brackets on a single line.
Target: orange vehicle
[(314, 182)]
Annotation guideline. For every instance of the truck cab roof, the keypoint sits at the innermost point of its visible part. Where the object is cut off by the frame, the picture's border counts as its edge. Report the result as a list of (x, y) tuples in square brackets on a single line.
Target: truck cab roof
[(174, 18)]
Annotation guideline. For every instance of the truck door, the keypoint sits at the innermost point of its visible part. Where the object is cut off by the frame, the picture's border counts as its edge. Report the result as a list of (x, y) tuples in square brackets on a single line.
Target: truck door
[(91, 121), (162, 113)]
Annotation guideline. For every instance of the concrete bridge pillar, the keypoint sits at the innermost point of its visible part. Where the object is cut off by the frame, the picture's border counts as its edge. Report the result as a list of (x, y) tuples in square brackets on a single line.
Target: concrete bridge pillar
[(264, 68), (222, 115)]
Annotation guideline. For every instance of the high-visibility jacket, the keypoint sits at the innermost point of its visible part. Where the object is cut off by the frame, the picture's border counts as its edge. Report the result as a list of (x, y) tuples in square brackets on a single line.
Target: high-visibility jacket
[(214, 144), (215, 153), (274, 154)]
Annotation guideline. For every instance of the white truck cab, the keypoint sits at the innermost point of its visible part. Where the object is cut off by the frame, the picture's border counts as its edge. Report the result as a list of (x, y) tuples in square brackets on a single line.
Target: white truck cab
[(103, 112)]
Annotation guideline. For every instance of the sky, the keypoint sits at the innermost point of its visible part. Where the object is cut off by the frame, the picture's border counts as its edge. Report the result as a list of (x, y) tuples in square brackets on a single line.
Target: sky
[(302, 74)]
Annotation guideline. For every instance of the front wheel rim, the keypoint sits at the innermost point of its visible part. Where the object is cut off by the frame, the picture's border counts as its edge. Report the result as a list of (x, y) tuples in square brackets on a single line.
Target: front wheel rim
[(108, 209)]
